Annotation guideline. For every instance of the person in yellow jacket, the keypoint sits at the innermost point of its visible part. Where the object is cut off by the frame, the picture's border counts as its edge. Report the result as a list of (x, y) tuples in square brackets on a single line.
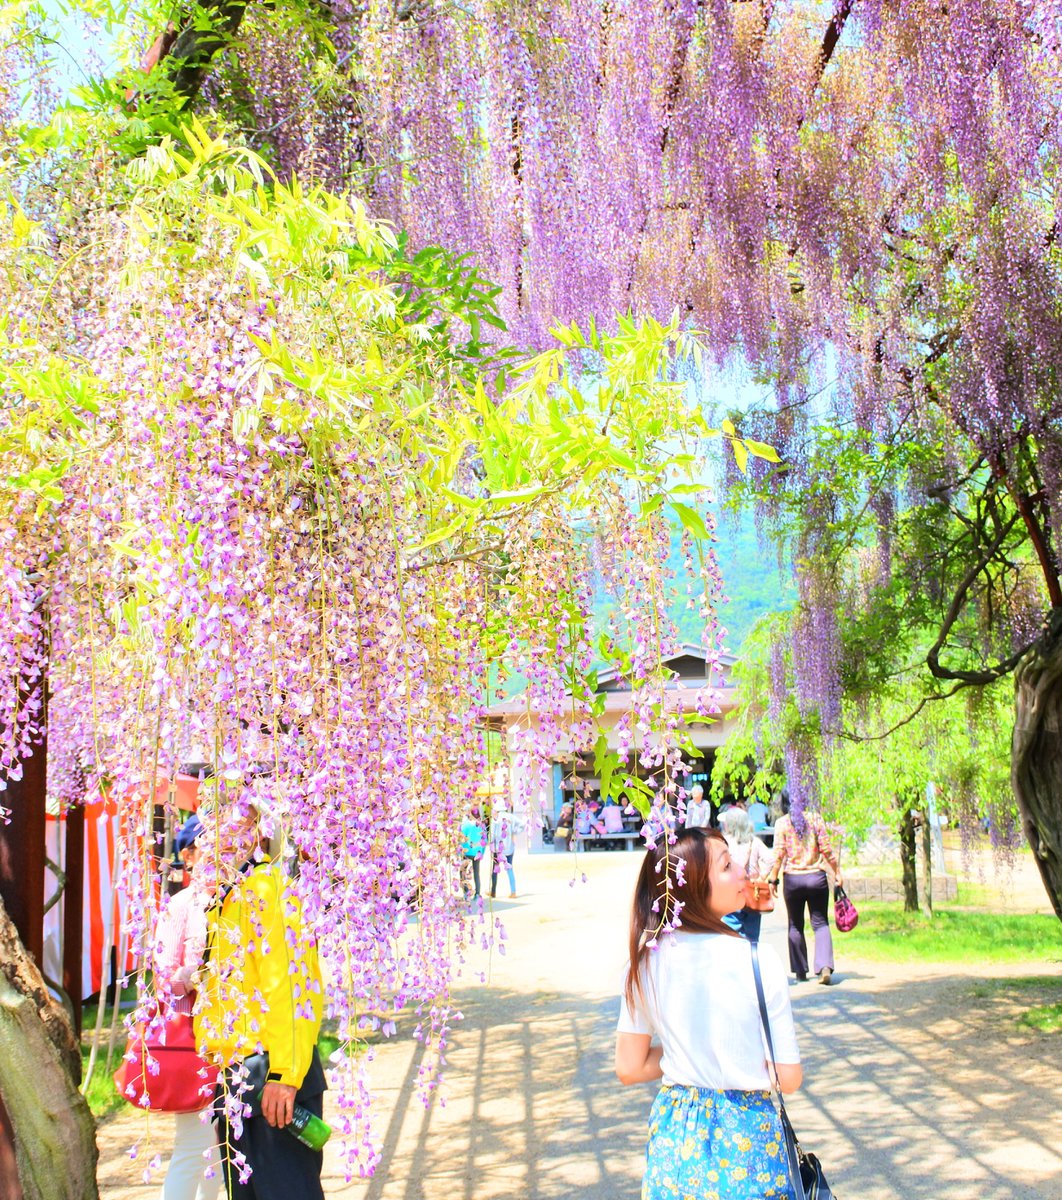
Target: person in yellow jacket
[(258, 1014)]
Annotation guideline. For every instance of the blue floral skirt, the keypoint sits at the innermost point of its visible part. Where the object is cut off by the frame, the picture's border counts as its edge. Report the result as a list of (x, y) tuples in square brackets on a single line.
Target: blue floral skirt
[(714, 1145)]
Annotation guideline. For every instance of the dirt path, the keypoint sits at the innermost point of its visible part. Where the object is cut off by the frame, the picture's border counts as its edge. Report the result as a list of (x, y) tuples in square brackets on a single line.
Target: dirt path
[(920, 1083)]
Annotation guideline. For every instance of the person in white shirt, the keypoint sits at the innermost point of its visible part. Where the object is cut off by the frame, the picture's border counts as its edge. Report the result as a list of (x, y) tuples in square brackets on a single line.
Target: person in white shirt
[(504, 826), (699, 810), (194, 1171), (713, 1128)]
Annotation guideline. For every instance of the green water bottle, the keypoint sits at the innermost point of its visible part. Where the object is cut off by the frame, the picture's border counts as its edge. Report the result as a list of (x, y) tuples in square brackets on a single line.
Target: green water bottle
[(305, 1126), (308, 1128)]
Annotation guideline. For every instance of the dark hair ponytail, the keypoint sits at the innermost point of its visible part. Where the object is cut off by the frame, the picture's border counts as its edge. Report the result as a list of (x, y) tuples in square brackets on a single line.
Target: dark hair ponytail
[(674, 889)]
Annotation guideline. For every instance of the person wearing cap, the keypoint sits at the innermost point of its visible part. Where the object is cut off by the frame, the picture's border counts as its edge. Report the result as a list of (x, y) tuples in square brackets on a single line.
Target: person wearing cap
[(259, 1013), (180, 938)]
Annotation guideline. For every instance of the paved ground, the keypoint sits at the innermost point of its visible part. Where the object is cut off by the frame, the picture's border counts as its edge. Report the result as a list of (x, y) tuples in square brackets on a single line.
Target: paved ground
[(919, 1084)]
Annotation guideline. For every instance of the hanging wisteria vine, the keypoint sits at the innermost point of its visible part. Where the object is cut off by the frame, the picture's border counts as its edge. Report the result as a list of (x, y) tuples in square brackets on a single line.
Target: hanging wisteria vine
[(265, 508), (270, 495), (857, 202)]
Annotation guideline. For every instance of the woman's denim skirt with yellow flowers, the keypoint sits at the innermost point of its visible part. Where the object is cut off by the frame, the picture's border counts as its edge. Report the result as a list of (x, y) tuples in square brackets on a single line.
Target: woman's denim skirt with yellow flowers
[(714, 1145)]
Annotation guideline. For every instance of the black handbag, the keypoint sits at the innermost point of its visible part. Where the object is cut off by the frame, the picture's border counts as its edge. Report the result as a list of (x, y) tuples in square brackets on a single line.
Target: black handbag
[(806, 1176)]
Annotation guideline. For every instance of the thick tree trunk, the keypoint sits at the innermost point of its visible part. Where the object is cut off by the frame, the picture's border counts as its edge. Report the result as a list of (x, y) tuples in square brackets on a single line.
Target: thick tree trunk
[(40, 1064), (908, 862), (1036, 754)]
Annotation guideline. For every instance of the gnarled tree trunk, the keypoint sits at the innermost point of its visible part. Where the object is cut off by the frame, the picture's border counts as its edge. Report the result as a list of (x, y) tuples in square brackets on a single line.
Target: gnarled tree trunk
[(40, 1064), (1036, 754)]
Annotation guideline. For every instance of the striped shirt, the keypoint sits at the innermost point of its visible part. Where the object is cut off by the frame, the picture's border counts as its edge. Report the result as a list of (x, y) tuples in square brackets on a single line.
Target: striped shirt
[(180, 938)]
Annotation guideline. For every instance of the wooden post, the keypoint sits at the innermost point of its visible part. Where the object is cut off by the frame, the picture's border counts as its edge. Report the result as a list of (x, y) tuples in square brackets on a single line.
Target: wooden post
[(22, 844), (10, 1184), (22, 854), (73, 909), (927, 867)]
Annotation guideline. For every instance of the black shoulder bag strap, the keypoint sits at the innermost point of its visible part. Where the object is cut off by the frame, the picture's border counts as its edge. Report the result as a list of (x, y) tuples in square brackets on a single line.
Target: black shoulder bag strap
[(792, 1150)]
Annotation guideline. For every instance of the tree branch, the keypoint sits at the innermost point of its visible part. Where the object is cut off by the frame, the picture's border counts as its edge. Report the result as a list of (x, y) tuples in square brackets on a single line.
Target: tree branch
[(184, 53), (1038, 539), (833, 35), (878, 737), (990, 674)]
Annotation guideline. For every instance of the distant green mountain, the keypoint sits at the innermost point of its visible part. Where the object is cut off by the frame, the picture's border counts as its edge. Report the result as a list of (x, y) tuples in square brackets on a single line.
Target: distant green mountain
[(754, 584)]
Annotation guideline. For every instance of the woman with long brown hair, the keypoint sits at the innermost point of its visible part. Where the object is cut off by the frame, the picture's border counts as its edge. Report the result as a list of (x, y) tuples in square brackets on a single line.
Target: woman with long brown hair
[(713, 1130)]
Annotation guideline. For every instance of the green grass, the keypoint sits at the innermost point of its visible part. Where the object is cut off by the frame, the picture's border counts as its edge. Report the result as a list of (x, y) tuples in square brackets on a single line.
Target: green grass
[(101, 1094), (327, 1045), (992, 987), (1047, 1018), (886, 933), (1016, 998), (103, 1097), (975, 895)]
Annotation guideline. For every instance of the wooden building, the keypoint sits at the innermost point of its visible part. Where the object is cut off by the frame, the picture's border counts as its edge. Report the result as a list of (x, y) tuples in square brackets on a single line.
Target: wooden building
[(572, 774)]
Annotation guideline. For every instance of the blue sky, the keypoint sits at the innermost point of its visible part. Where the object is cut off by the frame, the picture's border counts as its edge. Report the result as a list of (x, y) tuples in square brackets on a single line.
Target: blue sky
[(81, 46)]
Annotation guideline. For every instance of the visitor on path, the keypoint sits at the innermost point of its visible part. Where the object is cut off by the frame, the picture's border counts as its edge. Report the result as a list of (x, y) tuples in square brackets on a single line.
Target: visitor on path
[(566, 825), (759, 815), (502, 849), (180, 938), (473, 843), (804, 856), (732, 802), (699, 810), (713, 1128), (259, 1012), (754, 857)]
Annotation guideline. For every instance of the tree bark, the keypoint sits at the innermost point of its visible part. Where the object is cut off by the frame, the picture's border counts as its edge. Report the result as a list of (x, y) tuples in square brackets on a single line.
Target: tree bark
[(186, 51), (40, 1063), (908, 863), (1036, 754)]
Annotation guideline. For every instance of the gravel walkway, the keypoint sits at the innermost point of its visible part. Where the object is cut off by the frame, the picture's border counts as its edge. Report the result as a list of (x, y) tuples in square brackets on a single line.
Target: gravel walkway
[(920, 1084)]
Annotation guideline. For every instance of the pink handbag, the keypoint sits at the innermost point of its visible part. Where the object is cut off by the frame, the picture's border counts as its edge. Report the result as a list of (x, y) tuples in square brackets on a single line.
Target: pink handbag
[(162, 1072), (844, 911)]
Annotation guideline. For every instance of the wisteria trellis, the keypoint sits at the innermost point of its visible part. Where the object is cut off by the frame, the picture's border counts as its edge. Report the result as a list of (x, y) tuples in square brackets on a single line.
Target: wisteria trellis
[(861, 193)]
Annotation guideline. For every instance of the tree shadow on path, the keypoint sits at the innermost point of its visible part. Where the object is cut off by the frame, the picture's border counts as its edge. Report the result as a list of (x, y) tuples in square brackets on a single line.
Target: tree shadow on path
[(915, 1089), (532, 1109), (920, 1089)]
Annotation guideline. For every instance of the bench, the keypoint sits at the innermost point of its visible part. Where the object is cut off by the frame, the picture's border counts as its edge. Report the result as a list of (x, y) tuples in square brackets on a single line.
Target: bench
[(630, 836)]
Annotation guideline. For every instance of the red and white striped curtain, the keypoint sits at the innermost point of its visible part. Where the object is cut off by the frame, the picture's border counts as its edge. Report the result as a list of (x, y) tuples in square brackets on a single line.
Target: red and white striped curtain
[(104, 904)]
